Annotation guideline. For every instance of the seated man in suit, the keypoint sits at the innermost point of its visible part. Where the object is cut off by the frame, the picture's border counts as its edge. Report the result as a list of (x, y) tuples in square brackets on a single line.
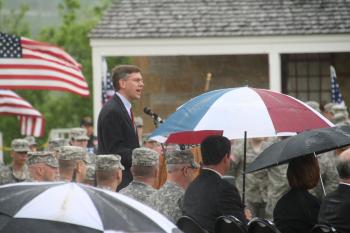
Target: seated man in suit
[(335, 208), (209, 196)]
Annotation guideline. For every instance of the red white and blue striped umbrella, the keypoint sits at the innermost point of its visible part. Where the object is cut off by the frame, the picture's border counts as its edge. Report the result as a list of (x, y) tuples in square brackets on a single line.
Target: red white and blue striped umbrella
[(259, 112)]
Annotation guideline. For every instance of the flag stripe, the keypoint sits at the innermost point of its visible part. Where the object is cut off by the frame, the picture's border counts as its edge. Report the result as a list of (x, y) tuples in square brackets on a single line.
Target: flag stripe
[(19, 111), (42, 85), (21, 74), (29, 54), (13, 101), (29, 126), (39, 64), (50, 49), (10, 70), (31, 120), (10, 103), (38, 126), (9, 96)]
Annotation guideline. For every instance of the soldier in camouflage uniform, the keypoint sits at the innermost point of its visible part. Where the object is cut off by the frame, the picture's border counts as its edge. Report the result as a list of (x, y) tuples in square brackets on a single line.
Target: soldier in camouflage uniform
[(326, 161), (90, 178), (33, 146), (144, 169), (78, 137), (55, 143), (43, 166), (108, 172), (276, 187), (256, 182), (329, 175), (341, 115), (72, 163), (168, 199), (17, 171), (327, 111)]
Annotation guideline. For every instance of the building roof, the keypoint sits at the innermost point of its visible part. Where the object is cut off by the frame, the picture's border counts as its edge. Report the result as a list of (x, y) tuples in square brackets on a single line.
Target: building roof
[(222, 18)]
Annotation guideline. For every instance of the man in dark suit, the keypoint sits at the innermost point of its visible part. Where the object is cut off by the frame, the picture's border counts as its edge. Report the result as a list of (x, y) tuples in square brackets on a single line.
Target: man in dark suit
[(116, 130), (335, 208), (209, 196)]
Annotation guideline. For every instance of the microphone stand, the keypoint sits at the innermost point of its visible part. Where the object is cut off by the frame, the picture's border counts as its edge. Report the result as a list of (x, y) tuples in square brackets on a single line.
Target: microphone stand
[(155, 120)]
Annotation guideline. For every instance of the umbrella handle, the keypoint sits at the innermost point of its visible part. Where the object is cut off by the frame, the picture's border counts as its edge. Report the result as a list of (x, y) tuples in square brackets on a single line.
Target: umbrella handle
[(244, 166), (321, 180)]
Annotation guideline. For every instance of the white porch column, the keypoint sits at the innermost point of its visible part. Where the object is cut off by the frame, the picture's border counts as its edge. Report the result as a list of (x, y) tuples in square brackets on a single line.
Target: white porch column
[(275, 77), (97, 84)]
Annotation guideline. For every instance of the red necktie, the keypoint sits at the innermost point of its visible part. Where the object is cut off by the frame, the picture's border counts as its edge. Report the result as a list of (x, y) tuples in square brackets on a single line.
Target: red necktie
[(132, 119)]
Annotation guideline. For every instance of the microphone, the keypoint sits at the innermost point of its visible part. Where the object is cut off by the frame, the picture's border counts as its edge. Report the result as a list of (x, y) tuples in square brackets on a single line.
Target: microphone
[(155, 116)]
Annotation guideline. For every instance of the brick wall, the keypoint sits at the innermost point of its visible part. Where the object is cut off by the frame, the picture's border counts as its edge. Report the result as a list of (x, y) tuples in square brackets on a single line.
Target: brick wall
[(172, 80)]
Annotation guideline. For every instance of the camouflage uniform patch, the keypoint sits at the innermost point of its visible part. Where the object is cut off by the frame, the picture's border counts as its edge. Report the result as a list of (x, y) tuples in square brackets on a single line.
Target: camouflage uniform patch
[(168, 201), (138, 191)]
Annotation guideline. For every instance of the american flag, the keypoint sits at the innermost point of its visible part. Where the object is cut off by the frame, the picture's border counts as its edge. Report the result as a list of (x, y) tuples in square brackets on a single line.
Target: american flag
[(32, 122), (335, 91), (29, 64), (107, 85)]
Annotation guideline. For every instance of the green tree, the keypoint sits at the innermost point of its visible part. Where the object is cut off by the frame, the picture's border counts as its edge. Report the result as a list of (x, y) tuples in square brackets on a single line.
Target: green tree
[(61, 109), (13, 21)]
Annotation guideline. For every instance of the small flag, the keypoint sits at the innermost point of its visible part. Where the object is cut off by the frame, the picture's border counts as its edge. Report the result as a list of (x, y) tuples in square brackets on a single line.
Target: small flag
[(107, 85), (32, 122), (29, 64), (336, 96)]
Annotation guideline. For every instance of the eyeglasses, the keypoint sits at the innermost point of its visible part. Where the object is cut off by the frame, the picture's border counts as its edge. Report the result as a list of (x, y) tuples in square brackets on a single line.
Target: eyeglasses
[(136, 80), (193, 165)]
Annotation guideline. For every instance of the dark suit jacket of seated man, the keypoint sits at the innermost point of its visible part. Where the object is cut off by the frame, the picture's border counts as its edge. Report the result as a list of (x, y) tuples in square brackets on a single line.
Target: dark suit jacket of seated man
[(209, 196), (335, 208), (116, 130)]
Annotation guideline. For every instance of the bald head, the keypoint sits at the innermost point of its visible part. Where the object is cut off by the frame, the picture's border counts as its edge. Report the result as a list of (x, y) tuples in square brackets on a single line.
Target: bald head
[(343, 165)]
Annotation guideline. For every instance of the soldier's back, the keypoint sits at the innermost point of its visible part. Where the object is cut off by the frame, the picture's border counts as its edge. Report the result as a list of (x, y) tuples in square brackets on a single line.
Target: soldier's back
[(168, 201), (138, 191)]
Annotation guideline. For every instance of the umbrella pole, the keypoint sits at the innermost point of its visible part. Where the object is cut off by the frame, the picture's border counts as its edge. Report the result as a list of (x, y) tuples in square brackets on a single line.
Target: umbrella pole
[(321, 180), (244, 166)]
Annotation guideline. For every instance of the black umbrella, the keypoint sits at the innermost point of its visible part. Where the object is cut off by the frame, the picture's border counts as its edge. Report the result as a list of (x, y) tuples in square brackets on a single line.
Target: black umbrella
[(74, 208), (315, 142)]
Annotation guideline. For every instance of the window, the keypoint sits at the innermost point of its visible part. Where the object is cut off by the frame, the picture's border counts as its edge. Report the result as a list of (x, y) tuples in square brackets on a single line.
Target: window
[(307, 76)]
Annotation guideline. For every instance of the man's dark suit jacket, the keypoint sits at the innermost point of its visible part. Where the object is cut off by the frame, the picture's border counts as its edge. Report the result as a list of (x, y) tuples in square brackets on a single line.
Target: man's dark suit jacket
[(296, 212), (208, 197), (117, 135), (335, 209)]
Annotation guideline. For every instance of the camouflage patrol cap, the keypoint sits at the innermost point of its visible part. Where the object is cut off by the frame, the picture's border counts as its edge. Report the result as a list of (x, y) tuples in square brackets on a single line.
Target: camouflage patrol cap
[(56, 143), (313, 104), (19, 145), (106, 162), (31, 140), (144, 157), (339, 117), (78, 134), (328, 107), (72, 153), (339, 107), (181, 157), (86, 121), (46, 157), (90, 172)]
